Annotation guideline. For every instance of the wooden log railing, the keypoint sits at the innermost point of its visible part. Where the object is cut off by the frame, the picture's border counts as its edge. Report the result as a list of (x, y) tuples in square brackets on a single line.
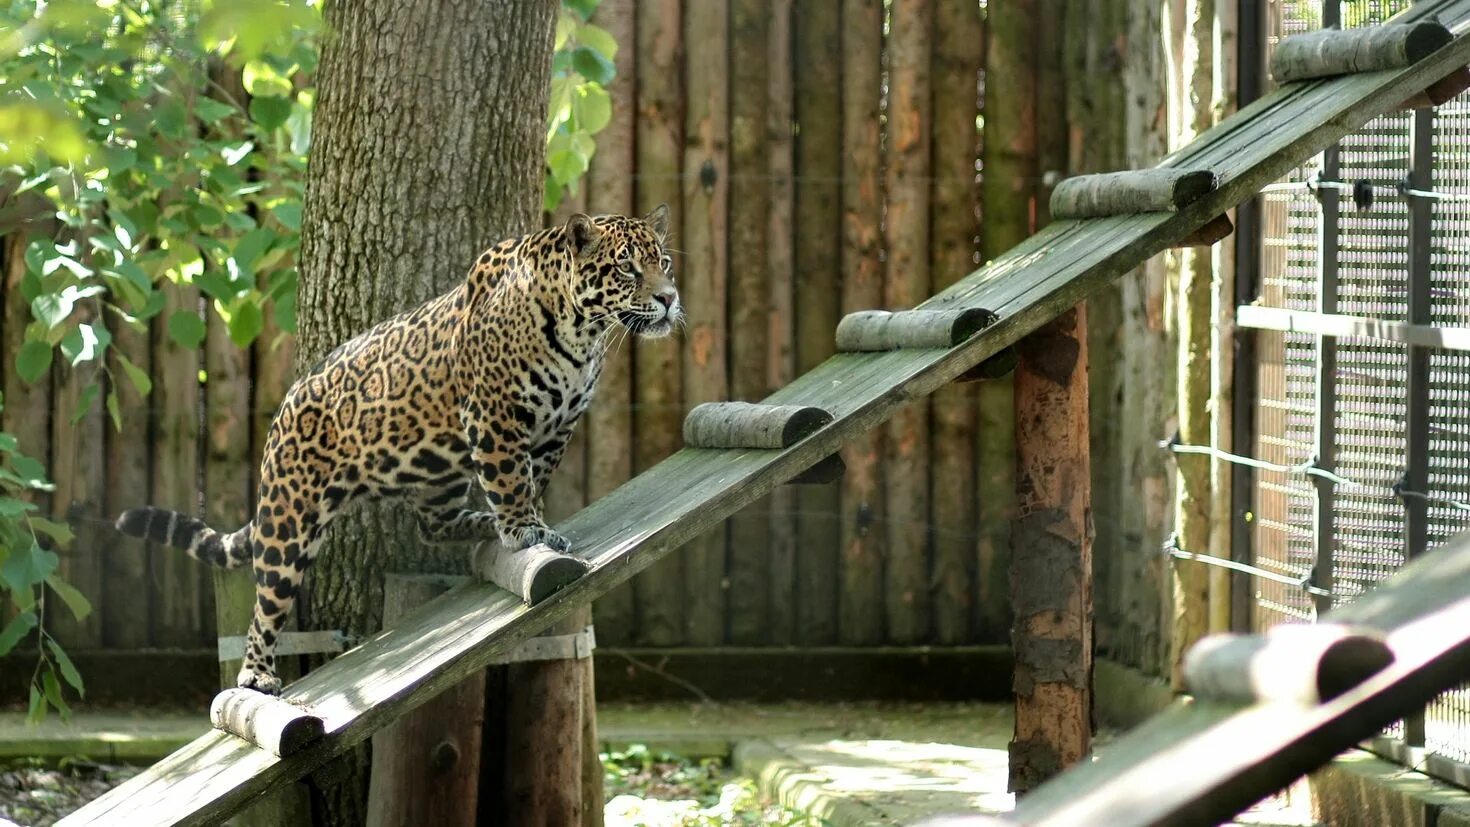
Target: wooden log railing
[(690, 492)]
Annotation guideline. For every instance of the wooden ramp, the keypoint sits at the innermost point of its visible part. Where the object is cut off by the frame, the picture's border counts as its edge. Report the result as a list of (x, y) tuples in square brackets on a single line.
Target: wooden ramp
[(626, 531), (1203, 762)]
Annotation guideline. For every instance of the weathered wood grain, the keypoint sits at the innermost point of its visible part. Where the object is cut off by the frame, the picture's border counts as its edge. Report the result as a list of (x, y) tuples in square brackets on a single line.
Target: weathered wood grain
[(1204, 762), (750, 425), (863, 541), (704, 281), (609, 424), (78, 469), (959, 58), (127, 480), (817, 32), (633, 526), (1125, 193), (658, 364), (1328, 52), (749, 308), (181, 586)]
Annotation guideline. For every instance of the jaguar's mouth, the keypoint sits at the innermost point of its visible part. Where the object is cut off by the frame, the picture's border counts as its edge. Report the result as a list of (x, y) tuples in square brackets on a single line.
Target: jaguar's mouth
[(647, 325)]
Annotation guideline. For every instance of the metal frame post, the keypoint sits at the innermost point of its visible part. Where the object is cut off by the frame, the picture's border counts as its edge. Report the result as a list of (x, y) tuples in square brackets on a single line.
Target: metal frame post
[(1251, 41), (1416, 447)]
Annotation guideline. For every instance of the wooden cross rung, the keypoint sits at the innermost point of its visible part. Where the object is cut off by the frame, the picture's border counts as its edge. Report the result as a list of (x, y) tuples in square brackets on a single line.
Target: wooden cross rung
[(280, 727), (1331, 52), (1131, 192), (879, 330), (749, 425), (1292, 663)]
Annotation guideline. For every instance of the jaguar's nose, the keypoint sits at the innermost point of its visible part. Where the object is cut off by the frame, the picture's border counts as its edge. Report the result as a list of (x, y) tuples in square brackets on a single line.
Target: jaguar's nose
[(666, 298)]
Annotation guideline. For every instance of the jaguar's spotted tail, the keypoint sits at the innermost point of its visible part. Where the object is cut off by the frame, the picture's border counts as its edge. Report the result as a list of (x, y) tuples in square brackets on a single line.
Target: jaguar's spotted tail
[(182, 531)]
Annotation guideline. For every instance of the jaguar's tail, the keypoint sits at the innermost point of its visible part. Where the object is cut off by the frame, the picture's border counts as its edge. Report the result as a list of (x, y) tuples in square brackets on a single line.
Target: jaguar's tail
[(184, 532)]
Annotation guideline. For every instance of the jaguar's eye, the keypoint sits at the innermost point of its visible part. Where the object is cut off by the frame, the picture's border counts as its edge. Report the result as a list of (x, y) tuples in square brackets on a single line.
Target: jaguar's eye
[(628, 270), (666, 263)]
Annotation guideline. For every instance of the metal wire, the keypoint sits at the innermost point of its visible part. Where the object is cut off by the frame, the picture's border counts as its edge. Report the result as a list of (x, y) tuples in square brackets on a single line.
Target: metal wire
[(1172, 549), (1309, 467)]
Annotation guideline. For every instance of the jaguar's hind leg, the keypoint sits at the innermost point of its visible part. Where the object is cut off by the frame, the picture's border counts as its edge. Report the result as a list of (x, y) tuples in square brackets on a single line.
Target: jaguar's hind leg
[(442, 517)]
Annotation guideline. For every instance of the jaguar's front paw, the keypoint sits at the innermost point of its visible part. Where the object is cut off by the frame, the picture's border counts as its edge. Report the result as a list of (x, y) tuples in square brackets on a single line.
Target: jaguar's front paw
[(524, 538), (259, 681)]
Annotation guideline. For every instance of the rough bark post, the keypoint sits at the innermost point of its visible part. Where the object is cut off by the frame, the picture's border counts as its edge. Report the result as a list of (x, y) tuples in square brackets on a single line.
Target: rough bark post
[(905, 284), (535, 770), (703, 282), (1192, 497), (657, 369), (77, 469), (409, 180), (1051, 566), (426, 764), (609, 424), (959, 57), (818, 102), (863, 540), (127, 486)]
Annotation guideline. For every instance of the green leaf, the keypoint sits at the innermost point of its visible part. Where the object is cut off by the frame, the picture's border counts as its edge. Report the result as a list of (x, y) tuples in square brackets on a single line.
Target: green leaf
[(84, 343), (250, 247), (84, 402), (51, 309), (28, 566), (60, 532), (592, 65), (53, 694), (114, 410), (270, 111), (598, 38), (69, 669), (16, 630), (567, 165), (186, 328), (33, 360), (285, 312), (246, 323), (142, 383), (289, 214), (7, 441), (210, 110), (582, 7), (593, 108), (37, 709), (10, 507), (31, 471)]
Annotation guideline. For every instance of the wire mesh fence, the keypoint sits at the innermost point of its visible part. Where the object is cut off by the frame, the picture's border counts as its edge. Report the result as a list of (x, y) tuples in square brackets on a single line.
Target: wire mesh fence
[(1362, 387)]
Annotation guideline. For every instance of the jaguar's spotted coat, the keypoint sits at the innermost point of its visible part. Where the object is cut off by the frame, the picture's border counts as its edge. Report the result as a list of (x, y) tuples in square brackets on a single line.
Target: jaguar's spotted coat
[(485, 381)]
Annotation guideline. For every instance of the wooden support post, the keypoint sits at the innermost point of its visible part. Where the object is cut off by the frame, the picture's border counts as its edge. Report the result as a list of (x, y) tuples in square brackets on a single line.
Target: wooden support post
[(539, 762), (1051, 563), (426, 765)]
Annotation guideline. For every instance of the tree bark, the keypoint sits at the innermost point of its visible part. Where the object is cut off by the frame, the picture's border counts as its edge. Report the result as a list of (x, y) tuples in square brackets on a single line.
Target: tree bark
[(428, 147)]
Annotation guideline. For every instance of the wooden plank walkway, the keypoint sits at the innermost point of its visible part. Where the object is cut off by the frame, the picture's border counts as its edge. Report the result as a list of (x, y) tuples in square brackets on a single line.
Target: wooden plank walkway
[(1202, 763), (691, 491)]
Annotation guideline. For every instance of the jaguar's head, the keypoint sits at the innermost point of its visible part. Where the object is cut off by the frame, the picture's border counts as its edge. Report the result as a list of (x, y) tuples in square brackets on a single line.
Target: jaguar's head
[(623, 271)]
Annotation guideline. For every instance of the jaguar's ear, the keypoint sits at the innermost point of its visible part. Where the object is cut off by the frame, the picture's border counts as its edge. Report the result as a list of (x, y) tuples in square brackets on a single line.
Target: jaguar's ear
[(659, 221), (583, 234)]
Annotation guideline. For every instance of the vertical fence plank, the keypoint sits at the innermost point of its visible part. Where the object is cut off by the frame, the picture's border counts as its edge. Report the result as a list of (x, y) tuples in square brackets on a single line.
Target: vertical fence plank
[(659, 404), (958, 60), (818, 62), (1008, 200), (706, 227), (227, 473), (862, 529), (77, 469), (906, 283), (609, 424), (750, 203), (182, 605), (27, 412), (780, 274), (127, 603)]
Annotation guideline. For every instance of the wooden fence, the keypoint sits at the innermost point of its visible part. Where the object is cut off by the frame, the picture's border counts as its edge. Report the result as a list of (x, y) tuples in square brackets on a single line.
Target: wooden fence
[(819, 159)]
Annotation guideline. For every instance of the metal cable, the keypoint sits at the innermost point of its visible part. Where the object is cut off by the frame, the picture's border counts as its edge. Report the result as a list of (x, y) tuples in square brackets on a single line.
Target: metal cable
[(1172, 549)]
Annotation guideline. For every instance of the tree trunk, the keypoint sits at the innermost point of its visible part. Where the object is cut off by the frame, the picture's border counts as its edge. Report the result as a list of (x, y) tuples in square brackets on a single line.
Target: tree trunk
[(428, 147)]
